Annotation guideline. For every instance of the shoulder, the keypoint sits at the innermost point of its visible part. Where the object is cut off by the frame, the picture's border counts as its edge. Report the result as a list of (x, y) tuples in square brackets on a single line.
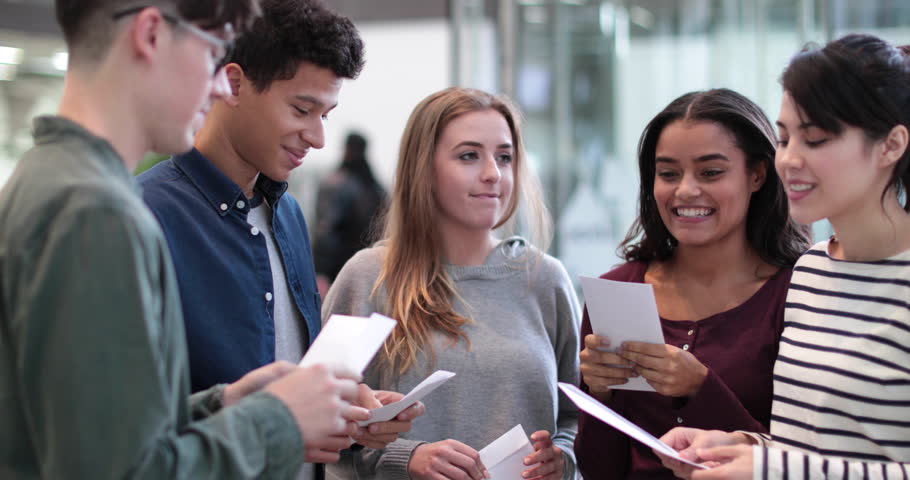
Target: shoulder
[(165, 185), (365, 265), (627, 272)]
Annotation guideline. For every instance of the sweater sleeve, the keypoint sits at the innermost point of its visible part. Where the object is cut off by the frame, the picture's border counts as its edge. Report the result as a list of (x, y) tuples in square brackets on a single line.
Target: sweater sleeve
[(351, 294), (775, 463), (716, 404), (566, 345)]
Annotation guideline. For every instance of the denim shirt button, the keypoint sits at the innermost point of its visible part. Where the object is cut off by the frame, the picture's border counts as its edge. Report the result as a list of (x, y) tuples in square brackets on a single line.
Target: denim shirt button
[(254, 231), (268, 296), (224, 207), (241, 204)]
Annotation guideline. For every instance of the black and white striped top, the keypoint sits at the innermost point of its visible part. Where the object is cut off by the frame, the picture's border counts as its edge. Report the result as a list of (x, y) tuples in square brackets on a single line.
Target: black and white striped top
[(842, 379)]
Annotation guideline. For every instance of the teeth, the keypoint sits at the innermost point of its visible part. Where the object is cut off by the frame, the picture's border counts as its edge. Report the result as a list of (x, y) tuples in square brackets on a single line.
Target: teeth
[(693, 212), (801, 187)]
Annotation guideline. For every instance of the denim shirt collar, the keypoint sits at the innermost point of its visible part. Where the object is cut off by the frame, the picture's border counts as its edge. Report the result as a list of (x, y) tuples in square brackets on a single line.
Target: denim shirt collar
[(220, 191)]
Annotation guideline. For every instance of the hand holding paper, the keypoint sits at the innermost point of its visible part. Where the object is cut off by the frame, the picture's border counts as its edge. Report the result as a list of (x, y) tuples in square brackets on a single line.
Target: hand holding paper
[(504, 457), (623, 311), (390, 411), (606, 414)]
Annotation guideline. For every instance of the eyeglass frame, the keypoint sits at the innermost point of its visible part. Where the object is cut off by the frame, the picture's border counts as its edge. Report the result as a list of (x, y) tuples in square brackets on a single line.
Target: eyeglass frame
[(224, 45)]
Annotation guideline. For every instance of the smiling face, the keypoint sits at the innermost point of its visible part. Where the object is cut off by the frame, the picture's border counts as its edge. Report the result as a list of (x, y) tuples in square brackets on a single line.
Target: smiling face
[(272, 131), (702, 185), (827, 175), (474, 172)]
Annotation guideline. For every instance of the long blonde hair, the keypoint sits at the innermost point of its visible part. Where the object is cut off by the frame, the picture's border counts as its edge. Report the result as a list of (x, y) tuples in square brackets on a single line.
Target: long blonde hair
[(420, 292)]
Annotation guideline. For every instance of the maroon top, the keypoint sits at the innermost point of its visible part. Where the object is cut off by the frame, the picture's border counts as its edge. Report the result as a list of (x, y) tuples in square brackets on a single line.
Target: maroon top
[(738, 346)]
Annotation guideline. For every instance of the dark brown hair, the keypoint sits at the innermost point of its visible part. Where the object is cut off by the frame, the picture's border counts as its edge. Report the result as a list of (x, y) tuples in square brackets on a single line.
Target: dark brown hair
[(860, 81), (771, 233)]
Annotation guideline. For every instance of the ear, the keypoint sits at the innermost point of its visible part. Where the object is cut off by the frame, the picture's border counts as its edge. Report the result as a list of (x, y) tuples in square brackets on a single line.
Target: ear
[(757, 177), (238, 83), (894, 146), (145, 33)]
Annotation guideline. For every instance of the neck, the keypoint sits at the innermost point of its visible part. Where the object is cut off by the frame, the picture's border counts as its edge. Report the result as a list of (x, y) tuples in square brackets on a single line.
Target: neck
[(705, 263), (877, 230), (214, 142), (466, 247), (99, 103)]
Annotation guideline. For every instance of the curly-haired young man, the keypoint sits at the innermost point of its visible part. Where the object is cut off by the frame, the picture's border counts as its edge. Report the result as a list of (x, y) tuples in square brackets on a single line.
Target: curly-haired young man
[(94, 371), (239, 240)]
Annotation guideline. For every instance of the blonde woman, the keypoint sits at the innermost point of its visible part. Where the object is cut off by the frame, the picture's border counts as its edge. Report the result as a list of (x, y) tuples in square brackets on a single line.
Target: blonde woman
[(469, 298)]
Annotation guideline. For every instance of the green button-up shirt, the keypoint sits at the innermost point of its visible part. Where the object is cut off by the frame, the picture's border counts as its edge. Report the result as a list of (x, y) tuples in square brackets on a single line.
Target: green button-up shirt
[(94, 381)]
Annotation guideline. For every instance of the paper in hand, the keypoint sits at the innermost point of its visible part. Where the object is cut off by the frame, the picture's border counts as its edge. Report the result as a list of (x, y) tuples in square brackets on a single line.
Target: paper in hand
[(623, 311), (390, 411), (504, 457), (350, 342), (606, 414)]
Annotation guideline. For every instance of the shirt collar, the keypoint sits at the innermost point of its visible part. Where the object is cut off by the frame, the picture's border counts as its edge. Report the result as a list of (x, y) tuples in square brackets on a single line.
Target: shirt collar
[(220, 191)]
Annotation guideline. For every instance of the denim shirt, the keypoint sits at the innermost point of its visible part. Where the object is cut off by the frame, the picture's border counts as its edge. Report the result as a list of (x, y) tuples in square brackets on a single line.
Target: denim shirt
[(223, 266)]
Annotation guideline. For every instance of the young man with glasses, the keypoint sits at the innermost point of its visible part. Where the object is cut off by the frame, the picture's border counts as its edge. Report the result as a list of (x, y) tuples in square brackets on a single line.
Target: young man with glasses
[(94, 379), (239, 240)]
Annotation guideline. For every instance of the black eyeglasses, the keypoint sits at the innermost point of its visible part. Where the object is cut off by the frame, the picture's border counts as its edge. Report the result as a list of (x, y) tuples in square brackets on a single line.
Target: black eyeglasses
[(221, 46)]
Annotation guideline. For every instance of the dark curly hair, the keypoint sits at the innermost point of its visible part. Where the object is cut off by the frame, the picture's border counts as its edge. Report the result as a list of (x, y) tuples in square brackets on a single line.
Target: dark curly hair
[(293, 31), (857, 80), (776, 238)]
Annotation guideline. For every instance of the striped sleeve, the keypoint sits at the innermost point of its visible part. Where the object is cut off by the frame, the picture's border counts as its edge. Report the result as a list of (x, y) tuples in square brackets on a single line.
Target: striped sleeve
[(776, 463)]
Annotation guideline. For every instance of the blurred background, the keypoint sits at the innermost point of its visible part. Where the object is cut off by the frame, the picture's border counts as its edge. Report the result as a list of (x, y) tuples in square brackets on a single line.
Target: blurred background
[(588, 75)]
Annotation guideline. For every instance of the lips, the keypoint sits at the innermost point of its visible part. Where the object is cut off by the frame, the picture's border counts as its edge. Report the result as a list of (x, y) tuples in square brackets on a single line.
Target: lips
[(297, 153), (693, 212)]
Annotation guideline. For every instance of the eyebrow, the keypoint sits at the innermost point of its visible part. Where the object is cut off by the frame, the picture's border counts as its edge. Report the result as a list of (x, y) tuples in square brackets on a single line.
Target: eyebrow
[(702, 158), (313, 100), (801, 126), (469, 143)]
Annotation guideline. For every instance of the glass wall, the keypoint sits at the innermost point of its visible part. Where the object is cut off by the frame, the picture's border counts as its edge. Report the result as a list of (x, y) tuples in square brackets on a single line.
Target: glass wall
[(589, 74)]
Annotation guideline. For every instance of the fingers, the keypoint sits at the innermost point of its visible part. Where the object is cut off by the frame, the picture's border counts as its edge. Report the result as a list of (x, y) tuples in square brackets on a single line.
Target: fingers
[(723, 454), (595, 342), (353, 413), (386, 397), (412, 412), (392, 426), (468, 459), (366, 397)]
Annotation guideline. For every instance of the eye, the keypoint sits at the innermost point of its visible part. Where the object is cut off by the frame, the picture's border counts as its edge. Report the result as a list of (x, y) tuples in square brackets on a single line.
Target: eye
[(667, 174), (300, 111), (468, 156), (504, 158), (815, 143), (712, 172)]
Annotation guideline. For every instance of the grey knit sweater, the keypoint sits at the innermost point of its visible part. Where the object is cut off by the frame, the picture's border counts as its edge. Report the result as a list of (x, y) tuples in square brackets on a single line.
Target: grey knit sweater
[(524, 339)]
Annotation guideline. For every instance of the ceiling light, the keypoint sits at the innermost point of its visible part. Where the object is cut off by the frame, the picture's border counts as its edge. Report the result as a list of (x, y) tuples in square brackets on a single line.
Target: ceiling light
[(10, 55)]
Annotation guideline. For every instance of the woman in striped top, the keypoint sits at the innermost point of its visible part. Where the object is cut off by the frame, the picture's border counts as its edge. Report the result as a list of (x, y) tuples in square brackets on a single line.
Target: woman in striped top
[(841, 405)]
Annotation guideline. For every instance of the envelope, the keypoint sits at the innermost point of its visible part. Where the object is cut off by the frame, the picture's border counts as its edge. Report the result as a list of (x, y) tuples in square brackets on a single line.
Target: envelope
[(623, 311), (504, 458), (390, 411), (608, 415), (349, 341)]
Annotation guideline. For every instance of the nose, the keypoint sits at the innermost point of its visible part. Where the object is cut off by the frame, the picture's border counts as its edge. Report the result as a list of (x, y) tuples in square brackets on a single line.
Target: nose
[(220, 86), (314, 133), (787, 158), (491, 172), (688, 187)]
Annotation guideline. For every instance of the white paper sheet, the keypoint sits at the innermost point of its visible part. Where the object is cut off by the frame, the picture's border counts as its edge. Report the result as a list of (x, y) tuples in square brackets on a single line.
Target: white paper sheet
[(606, 414), (390, 411), (504, 457), (349, 341), (623, 311)]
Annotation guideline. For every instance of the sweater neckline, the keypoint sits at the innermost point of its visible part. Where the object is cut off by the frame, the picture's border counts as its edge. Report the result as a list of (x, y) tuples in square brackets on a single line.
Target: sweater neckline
[(507, 258)]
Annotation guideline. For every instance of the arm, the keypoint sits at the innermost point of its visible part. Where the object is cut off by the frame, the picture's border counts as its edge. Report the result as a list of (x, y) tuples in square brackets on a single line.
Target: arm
[(715, 392), (100, 353)]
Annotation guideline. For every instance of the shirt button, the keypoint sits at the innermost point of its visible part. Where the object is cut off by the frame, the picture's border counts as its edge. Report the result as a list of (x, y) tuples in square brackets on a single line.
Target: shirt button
[(679, 420), (254, 231), (241, 204), (686, 346), (691, 332), (224, 207), (268, 296)]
